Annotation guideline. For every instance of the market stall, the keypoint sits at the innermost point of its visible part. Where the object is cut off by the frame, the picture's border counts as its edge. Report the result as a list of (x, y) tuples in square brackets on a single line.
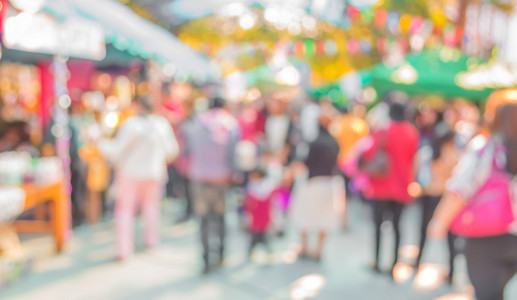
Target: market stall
[(27, 182), (431, 72), (130, 33), (34, 82), (53, 194)]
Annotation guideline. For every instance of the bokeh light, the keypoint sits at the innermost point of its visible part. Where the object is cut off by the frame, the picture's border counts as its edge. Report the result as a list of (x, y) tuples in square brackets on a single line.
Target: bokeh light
[(111, 119), (414, 189), (307, 286), (429, 277), (402, 272)]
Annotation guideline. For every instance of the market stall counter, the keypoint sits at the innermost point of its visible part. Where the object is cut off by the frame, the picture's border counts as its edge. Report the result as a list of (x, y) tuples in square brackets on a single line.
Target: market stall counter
[(29, 183), (54, 194)]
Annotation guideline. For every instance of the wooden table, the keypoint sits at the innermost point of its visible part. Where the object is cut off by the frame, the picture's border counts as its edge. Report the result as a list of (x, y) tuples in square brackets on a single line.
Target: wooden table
[(59, 207)]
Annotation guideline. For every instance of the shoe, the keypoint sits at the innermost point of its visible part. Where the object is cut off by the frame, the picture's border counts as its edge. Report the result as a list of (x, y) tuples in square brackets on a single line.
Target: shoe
[(183, 219), (448, 279), (375, 268), (220, 262), (304, 254), (206, 270)]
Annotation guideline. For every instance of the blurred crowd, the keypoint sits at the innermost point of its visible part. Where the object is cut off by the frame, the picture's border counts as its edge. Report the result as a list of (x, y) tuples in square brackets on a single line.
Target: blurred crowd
[(294, 164)]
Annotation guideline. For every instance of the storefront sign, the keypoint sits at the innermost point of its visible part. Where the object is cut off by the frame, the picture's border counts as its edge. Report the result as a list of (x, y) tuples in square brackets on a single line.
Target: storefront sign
[(40, 32)]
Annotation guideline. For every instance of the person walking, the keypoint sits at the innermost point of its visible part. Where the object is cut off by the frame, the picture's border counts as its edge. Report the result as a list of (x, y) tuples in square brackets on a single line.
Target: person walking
[(140, 151), (210, 140), (436, 162), (479, 205), (389, 164), (318, 204), (257, 205)]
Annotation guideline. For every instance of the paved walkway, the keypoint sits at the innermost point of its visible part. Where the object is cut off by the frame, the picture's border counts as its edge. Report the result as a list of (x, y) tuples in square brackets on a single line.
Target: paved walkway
[(172, 271)]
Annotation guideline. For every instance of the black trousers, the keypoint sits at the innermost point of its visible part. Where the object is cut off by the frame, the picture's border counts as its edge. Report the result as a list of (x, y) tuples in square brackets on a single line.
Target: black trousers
[(491, 263), (189, 211), (169, 186), (382, 209), (259, 238), (77, 196), (213, 234), (429, 204), (177, 180)]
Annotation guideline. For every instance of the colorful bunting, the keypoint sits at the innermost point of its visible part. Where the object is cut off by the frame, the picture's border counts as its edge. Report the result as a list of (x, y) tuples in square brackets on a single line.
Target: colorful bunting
[(381, 45), (392, 22), (352, 12), (299, 49), (405, 23), (365, 46), (320, 48), (352, 46), (380, 17), (402, 28), (367, 16), (331, 47), (310, 48), (416, 25)]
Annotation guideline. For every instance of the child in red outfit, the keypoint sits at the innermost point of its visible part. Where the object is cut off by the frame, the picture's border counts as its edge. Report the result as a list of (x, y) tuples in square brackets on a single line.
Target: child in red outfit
[(257, 205)]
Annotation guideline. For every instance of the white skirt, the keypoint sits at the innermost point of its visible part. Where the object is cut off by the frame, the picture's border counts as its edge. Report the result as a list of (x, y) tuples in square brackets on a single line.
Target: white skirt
[(318, 204)]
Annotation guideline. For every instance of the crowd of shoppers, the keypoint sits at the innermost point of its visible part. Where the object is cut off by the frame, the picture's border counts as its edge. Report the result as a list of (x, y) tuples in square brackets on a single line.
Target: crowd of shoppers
[(293, 161)]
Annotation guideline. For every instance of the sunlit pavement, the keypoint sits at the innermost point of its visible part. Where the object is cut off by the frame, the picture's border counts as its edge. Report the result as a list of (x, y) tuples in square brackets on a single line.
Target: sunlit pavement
[(87, 269)]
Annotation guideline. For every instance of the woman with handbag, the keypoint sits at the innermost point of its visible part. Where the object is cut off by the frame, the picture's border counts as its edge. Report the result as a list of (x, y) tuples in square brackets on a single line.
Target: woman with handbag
[(389, 164), (479, 205)]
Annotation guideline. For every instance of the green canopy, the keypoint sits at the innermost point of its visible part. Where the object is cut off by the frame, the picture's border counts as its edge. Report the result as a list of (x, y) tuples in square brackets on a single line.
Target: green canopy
[(333, 91), (263, 78), (430, 72)]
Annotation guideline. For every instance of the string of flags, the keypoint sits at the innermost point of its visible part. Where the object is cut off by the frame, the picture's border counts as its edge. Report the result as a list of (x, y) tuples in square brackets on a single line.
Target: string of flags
[(405, 31)]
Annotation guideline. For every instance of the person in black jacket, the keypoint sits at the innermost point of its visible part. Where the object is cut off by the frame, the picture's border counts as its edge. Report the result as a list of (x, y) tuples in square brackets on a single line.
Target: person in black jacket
[(319, 204)]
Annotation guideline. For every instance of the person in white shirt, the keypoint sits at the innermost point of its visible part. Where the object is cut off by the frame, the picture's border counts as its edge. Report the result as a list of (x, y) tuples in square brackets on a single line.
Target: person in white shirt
[(142, 148)]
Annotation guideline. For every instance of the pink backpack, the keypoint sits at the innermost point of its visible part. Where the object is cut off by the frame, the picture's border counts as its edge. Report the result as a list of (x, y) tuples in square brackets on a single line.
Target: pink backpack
[(489, 212)]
